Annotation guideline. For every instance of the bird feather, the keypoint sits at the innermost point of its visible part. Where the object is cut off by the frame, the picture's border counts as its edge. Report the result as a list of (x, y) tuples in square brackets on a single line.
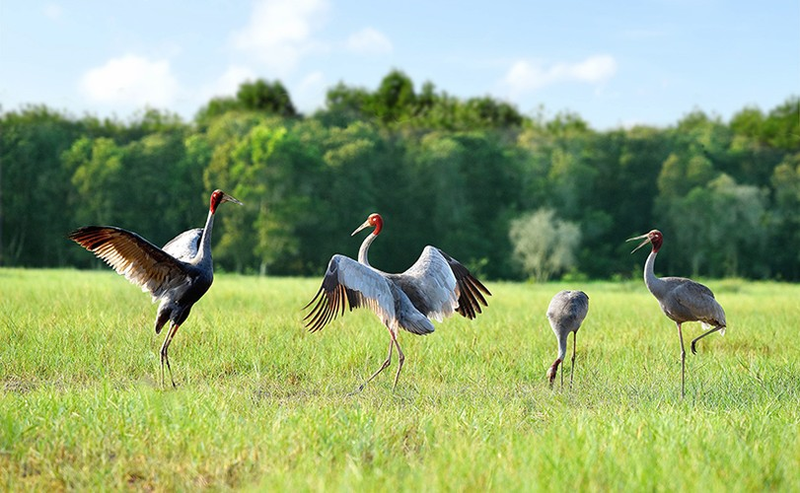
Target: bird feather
[(133, 257)]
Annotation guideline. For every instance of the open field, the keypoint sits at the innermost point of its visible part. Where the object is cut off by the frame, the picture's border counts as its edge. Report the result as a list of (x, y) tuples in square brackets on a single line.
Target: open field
[(263, 404)]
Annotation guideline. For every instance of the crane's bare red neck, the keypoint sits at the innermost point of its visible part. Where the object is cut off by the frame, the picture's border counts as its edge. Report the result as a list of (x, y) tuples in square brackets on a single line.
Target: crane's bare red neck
[(377, 221), (216, 199)]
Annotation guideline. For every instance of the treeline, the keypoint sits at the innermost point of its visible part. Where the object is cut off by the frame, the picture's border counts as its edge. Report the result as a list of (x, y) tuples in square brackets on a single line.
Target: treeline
[(441, 170)]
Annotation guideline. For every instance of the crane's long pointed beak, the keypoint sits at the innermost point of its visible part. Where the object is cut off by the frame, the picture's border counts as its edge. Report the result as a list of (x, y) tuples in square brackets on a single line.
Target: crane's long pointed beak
[(365, 225), (645, 242), (228, 198)]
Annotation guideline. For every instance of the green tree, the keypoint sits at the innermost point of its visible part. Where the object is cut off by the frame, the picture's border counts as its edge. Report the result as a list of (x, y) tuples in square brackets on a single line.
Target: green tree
[(270, 97), (786, 219), (34, 186), (679, 175), (718, 225), (395, 98)]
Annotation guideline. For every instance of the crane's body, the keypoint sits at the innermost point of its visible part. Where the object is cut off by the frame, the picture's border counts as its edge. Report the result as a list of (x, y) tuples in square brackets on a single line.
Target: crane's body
[(681, 299), (566, 313), (177, 275), (434, 288)]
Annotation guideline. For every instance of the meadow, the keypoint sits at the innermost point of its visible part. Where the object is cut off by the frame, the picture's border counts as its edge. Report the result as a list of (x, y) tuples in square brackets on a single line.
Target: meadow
[(262, 404)]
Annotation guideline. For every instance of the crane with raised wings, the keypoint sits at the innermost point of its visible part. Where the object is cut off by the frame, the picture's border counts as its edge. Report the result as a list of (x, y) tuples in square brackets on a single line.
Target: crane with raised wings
[(435, 287)]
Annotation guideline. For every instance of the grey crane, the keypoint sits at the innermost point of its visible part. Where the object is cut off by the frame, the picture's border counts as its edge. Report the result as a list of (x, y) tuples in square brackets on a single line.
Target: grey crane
[(566, 312), (681, 299), (434, 287), (178, 274)]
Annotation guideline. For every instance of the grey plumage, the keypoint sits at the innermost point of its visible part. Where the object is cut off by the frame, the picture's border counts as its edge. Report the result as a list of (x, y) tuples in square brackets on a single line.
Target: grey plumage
[(681, 299), (684, 300), (566, 313), (186, 245), (434, 288)]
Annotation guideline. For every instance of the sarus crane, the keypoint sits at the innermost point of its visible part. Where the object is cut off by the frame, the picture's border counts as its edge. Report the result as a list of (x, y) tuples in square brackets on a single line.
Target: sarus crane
[(434, 287), (566, 312), (178, 274), (681, 299)]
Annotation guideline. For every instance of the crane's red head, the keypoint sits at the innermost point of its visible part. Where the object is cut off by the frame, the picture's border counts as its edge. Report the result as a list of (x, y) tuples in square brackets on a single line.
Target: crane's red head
[(654, 237), (218, 197), (374, 220)]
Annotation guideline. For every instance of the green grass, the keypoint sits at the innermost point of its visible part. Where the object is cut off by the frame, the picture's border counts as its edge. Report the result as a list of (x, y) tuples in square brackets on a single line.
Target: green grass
[(263, 404)]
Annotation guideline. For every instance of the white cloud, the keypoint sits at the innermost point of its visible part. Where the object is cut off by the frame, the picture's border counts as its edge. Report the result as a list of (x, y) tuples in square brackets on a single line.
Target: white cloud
[(525, 76), (53, 11), (131, 81), (369, 40), (280, 32)]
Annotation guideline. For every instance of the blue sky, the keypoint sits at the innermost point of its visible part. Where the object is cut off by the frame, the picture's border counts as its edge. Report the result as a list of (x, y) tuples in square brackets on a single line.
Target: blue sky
[(614, 63)]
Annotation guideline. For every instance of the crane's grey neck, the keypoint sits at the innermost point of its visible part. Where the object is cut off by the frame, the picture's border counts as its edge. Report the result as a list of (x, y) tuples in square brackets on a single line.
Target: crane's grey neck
[(562, 344), (653, 283), (364, 250), (204, 252)]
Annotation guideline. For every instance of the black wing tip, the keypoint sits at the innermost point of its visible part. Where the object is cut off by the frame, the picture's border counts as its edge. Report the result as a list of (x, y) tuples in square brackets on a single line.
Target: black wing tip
[(329, 303), (470, 299)]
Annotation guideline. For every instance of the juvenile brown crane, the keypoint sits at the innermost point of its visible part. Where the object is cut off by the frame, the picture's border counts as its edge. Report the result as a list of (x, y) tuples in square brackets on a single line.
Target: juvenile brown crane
[(681, 299), (566, 312), (434, 287), (178, 274)]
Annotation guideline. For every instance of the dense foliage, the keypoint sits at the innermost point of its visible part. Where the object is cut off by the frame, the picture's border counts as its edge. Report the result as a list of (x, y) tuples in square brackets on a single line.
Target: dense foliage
[(441, 170)]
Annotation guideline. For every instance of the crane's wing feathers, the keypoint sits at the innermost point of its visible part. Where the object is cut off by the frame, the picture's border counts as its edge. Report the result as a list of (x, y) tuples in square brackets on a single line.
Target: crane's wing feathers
[(186, 245), (469, 289), (438, 285), (141, 262), (347, 282), (699, 303)]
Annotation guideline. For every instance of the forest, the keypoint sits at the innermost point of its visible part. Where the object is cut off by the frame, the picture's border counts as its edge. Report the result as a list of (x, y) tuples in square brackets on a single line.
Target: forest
[(511, 195)]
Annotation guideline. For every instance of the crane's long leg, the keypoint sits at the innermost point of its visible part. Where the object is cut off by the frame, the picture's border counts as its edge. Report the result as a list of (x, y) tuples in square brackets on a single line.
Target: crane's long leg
[(694, 351), (383, 367), (400, 358), (572, 366), (165, 353), (683, 360)]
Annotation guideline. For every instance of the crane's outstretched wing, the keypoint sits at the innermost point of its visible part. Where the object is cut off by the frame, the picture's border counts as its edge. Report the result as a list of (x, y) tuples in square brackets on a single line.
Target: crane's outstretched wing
[(469, 288), (437, 285), (347, 282), (186, 245), (141, 262)]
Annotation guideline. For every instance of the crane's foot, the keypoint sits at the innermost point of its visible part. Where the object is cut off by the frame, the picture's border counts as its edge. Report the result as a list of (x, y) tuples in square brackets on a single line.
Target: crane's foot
[(694, 350), (358, 390)]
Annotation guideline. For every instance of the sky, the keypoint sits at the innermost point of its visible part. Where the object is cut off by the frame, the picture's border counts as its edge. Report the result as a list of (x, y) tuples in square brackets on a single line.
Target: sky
[(614, 63)]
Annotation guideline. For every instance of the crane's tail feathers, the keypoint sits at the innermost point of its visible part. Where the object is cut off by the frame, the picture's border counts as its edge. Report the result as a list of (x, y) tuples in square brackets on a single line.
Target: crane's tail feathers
[(718, 328)]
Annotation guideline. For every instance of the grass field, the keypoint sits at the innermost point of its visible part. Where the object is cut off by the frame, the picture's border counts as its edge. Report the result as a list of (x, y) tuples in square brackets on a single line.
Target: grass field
[(262, 404)]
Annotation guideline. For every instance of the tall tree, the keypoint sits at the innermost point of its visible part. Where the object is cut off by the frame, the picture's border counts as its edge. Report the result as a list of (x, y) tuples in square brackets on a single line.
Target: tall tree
[(543, 244)]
